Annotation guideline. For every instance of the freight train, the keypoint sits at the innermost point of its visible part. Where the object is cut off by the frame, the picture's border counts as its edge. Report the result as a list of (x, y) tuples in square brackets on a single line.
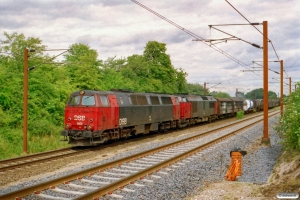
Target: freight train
[(96, 117)]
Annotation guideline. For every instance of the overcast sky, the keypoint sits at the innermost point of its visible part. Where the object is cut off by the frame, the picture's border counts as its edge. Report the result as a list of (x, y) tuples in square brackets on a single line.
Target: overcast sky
[(122, 28)]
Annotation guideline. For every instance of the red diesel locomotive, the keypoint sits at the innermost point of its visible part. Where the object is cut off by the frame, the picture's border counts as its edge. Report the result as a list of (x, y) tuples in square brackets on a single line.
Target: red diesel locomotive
[(95, 117)]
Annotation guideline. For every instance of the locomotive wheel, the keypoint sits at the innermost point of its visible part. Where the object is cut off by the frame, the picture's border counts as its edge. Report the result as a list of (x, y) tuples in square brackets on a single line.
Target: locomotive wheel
[(161, 129)]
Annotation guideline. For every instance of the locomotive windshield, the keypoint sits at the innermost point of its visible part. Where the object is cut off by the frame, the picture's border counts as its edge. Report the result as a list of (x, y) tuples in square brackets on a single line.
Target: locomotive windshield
[(74, 100), (88, 100), (85, 100)]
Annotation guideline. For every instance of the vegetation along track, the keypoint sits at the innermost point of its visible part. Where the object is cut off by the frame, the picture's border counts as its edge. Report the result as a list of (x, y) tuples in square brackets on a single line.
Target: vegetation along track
[(104, 179)]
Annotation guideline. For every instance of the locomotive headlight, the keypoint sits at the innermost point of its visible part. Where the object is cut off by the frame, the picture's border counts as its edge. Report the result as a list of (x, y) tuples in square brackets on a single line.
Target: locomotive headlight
[(69, 119), (89, 127), (68, 126)]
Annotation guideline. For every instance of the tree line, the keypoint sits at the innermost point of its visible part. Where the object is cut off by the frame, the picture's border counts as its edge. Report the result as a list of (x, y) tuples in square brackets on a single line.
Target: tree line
[(50, 83)]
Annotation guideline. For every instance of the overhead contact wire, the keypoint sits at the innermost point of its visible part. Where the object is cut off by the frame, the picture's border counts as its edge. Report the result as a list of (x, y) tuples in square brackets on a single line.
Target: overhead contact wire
[(191, 34), (257, 30), (49, 60)]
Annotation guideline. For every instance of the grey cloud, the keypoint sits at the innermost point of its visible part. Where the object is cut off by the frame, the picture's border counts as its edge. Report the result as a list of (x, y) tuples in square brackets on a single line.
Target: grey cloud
[(122, 28), (85, 39), (50, 10), (137, 38), (10, 23)]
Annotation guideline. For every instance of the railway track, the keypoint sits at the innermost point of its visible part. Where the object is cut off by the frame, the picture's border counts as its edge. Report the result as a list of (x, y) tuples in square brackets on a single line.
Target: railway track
[(104, 179), (25, 161)]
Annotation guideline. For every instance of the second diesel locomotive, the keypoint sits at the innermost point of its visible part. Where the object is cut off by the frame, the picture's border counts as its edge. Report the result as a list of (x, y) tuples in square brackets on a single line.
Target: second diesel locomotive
[(95, 117)]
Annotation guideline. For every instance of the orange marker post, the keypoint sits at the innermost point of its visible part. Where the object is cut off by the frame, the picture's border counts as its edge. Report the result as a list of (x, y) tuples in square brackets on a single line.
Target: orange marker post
[(235, 168)]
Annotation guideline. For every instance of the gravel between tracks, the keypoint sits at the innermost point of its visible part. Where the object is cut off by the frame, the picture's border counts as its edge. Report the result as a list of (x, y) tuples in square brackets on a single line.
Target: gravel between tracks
[(212, 165), (185, 181)]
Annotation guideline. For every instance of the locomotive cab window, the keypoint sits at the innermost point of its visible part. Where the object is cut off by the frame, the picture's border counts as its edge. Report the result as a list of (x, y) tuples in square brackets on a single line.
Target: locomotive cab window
[(104, 100), (88, 101), (74, 100)]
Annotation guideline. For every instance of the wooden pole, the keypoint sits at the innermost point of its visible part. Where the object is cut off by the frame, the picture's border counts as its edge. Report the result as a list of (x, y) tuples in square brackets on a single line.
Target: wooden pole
[(281, 88), (265, 139), (25, 120), (204, 88), (290, 85)]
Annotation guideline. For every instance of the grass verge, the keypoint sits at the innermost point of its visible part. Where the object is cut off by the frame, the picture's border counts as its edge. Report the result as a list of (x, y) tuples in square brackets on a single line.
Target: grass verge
[(11, 143)]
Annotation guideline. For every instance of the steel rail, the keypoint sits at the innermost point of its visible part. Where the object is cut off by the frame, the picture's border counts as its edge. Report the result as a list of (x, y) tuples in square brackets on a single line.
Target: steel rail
[(17, 159), (15, 162), (78, 175), (40, 160)]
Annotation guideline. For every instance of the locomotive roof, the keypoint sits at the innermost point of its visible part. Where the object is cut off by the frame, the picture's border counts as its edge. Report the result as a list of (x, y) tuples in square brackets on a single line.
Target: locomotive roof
[(115, 92), (90, 92)]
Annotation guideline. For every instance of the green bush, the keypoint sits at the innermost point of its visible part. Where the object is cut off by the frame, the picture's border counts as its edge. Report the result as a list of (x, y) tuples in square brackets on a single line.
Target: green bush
[(288, 126), (11, 143), (240, 115)]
